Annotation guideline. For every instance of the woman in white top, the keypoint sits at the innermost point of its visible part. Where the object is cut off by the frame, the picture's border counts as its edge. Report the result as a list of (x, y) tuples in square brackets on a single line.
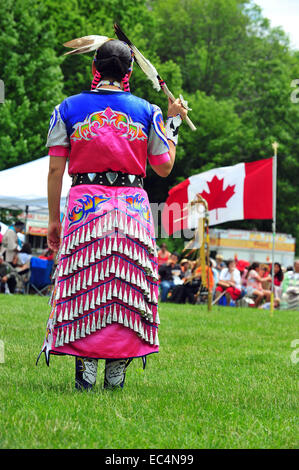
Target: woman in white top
[(230, 282)]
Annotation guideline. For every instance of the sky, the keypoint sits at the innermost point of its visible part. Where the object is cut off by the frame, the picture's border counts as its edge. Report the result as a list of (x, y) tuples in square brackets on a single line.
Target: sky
[(284, 13)]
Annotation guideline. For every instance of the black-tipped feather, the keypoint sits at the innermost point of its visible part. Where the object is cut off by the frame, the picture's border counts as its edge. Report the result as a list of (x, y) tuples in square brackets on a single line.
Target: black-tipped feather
[(121, 35), (148, 69), (143, 63)]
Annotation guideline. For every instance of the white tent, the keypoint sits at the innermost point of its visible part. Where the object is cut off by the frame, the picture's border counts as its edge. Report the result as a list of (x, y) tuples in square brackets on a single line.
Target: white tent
[(3, 227), (26, 185)]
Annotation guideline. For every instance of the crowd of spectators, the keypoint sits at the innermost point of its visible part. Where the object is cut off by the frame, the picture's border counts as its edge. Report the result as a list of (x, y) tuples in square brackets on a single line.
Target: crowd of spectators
[(15, 260), (180, 281), (229, 281)]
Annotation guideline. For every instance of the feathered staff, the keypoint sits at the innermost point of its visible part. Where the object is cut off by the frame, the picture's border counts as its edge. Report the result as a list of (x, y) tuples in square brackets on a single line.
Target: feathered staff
[(202, 238), (151, 72), (93, 42)]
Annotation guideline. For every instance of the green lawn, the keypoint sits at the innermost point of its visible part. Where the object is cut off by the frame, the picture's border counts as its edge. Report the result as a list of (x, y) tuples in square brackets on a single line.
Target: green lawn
[(223, 379)]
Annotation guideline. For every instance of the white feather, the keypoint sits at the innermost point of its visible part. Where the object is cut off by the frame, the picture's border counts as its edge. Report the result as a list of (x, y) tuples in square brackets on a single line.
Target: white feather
[(85, 44), (147, 68)]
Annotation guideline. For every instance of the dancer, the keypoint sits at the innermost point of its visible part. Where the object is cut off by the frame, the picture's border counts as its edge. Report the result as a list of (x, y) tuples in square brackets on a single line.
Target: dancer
[(104, 302)]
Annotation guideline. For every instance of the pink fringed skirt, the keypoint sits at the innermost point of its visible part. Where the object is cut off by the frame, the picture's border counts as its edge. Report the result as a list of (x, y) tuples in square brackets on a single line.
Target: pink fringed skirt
[(104, 301)]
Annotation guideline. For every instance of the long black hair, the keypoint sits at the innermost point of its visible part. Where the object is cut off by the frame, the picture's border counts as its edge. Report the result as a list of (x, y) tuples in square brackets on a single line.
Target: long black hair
[(253, 266), (279, 274), (113, 60)]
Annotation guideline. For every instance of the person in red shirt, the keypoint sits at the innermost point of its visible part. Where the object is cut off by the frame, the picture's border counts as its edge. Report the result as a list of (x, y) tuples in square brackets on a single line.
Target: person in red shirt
[(163, 254), (278, 274)]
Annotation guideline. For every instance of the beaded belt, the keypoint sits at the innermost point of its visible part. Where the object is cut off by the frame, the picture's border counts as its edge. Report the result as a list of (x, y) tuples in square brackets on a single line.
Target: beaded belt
[(109, 178)]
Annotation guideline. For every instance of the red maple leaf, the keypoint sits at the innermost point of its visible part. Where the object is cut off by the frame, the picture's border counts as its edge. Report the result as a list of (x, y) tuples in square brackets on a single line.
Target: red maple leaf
[(217, 197)]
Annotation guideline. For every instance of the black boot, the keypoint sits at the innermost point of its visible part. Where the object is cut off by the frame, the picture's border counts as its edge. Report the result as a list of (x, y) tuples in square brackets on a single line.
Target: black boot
[(115, 373), (86, 373)]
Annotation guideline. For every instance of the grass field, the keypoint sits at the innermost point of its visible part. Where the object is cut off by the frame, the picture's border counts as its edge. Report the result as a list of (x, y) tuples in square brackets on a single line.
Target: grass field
[(223, 379)]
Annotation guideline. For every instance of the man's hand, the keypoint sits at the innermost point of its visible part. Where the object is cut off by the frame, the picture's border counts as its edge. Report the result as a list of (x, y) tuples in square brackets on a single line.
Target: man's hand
[(4, 279), (175, 108), (53, 238), (224, 284)]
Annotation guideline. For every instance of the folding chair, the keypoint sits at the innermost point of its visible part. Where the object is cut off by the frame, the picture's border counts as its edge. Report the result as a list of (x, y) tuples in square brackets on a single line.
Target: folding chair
[(22, 279), (40, 275), (201, 297)]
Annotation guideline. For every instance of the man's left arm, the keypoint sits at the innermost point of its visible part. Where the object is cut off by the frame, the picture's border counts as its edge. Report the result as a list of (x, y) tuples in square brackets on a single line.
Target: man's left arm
[(55, 177)]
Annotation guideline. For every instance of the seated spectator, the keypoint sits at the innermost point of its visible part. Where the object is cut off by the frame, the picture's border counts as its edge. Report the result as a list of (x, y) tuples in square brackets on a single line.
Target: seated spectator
[(278, 278), (178, 290), (229, 282), (21, 259), (290, 289), (185, 268), (189, 288), (169, 273), (21, 267), (7, 278), (220, 263), (254, 284), (163, 254), (264, 272), (25, 254), (18, 266), (242, 266)]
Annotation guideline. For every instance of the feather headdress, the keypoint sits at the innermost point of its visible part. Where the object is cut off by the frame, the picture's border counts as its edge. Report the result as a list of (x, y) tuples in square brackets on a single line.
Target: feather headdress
[(93, 42), (85, 44)]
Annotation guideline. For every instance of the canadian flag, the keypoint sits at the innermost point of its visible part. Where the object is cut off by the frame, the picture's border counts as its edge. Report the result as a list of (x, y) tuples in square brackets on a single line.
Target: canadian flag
[(242, 191)]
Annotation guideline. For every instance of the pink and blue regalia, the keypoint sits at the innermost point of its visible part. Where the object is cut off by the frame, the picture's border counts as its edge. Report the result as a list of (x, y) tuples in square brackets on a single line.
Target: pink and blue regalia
[(104, 303)]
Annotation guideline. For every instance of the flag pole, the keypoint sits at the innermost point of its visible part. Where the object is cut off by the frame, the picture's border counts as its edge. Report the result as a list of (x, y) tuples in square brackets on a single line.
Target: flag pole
[(274, 196)]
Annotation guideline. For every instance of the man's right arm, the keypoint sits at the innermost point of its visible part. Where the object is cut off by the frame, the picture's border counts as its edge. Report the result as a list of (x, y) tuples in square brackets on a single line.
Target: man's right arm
[(176, 113)]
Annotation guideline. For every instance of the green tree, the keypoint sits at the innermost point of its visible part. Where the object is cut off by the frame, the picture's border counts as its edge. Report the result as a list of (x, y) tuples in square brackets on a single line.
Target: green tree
[(207, 40), (33, 81)]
